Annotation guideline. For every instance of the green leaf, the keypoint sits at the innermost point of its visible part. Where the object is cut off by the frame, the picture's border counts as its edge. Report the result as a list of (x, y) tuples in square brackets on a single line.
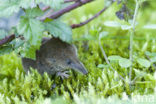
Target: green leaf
[(52, 3), (5, 49), (48, 20), (34, 12), (155, 75), (28, 51), (139, 73), (144, 48), (59, 29), (125, 63), (32, 30), (144, 62), (8, 7), (3, 34), (18, 43), (112, 24), (150, 26), (107, 3), (102, 66), (103, 34), (126, 27), (153, 59), (114, 58), (153, 54)]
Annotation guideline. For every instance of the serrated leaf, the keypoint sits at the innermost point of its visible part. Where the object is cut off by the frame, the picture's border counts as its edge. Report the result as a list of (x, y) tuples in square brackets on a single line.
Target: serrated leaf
[(34, 12), (28, 51), (32, 30), (125, 63), (114, 58), (60, 30), (8, 7), (143, 62)]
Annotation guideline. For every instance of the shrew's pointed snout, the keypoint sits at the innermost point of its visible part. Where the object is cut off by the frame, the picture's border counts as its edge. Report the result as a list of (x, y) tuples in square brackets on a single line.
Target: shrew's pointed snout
[(79, 67)]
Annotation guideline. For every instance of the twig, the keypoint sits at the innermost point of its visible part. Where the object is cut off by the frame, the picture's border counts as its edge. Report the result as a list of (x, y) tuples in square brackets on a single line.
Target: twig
[(107, 61), (87, 21), (67, 9), (7, 39), (131, 38)]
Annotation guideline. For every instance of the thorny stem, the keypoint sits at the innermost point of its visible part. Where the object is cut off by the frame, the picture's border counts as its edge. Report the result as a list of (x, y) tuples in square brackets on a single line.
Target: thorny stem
[(131, 38)]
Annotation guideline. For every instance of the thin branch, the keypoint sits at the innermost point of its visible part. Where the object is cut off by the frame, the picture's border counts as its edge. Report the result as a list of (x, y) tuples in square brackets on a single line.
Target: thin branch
[(67, 9), (87, 21), (7, 39), (107, 61), (131, 38)]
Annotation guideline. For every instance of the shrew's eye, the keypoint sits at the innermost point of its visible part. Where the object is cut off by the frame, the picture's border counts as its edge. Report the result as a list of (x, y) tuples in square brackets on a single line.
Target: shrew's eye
[(68, 61)]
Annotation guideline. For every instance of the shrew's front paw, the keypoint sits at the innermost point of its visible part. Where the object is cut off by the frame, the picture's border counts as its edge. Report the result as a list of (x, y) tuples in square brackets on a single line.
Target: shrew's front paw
[(63, 74)]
